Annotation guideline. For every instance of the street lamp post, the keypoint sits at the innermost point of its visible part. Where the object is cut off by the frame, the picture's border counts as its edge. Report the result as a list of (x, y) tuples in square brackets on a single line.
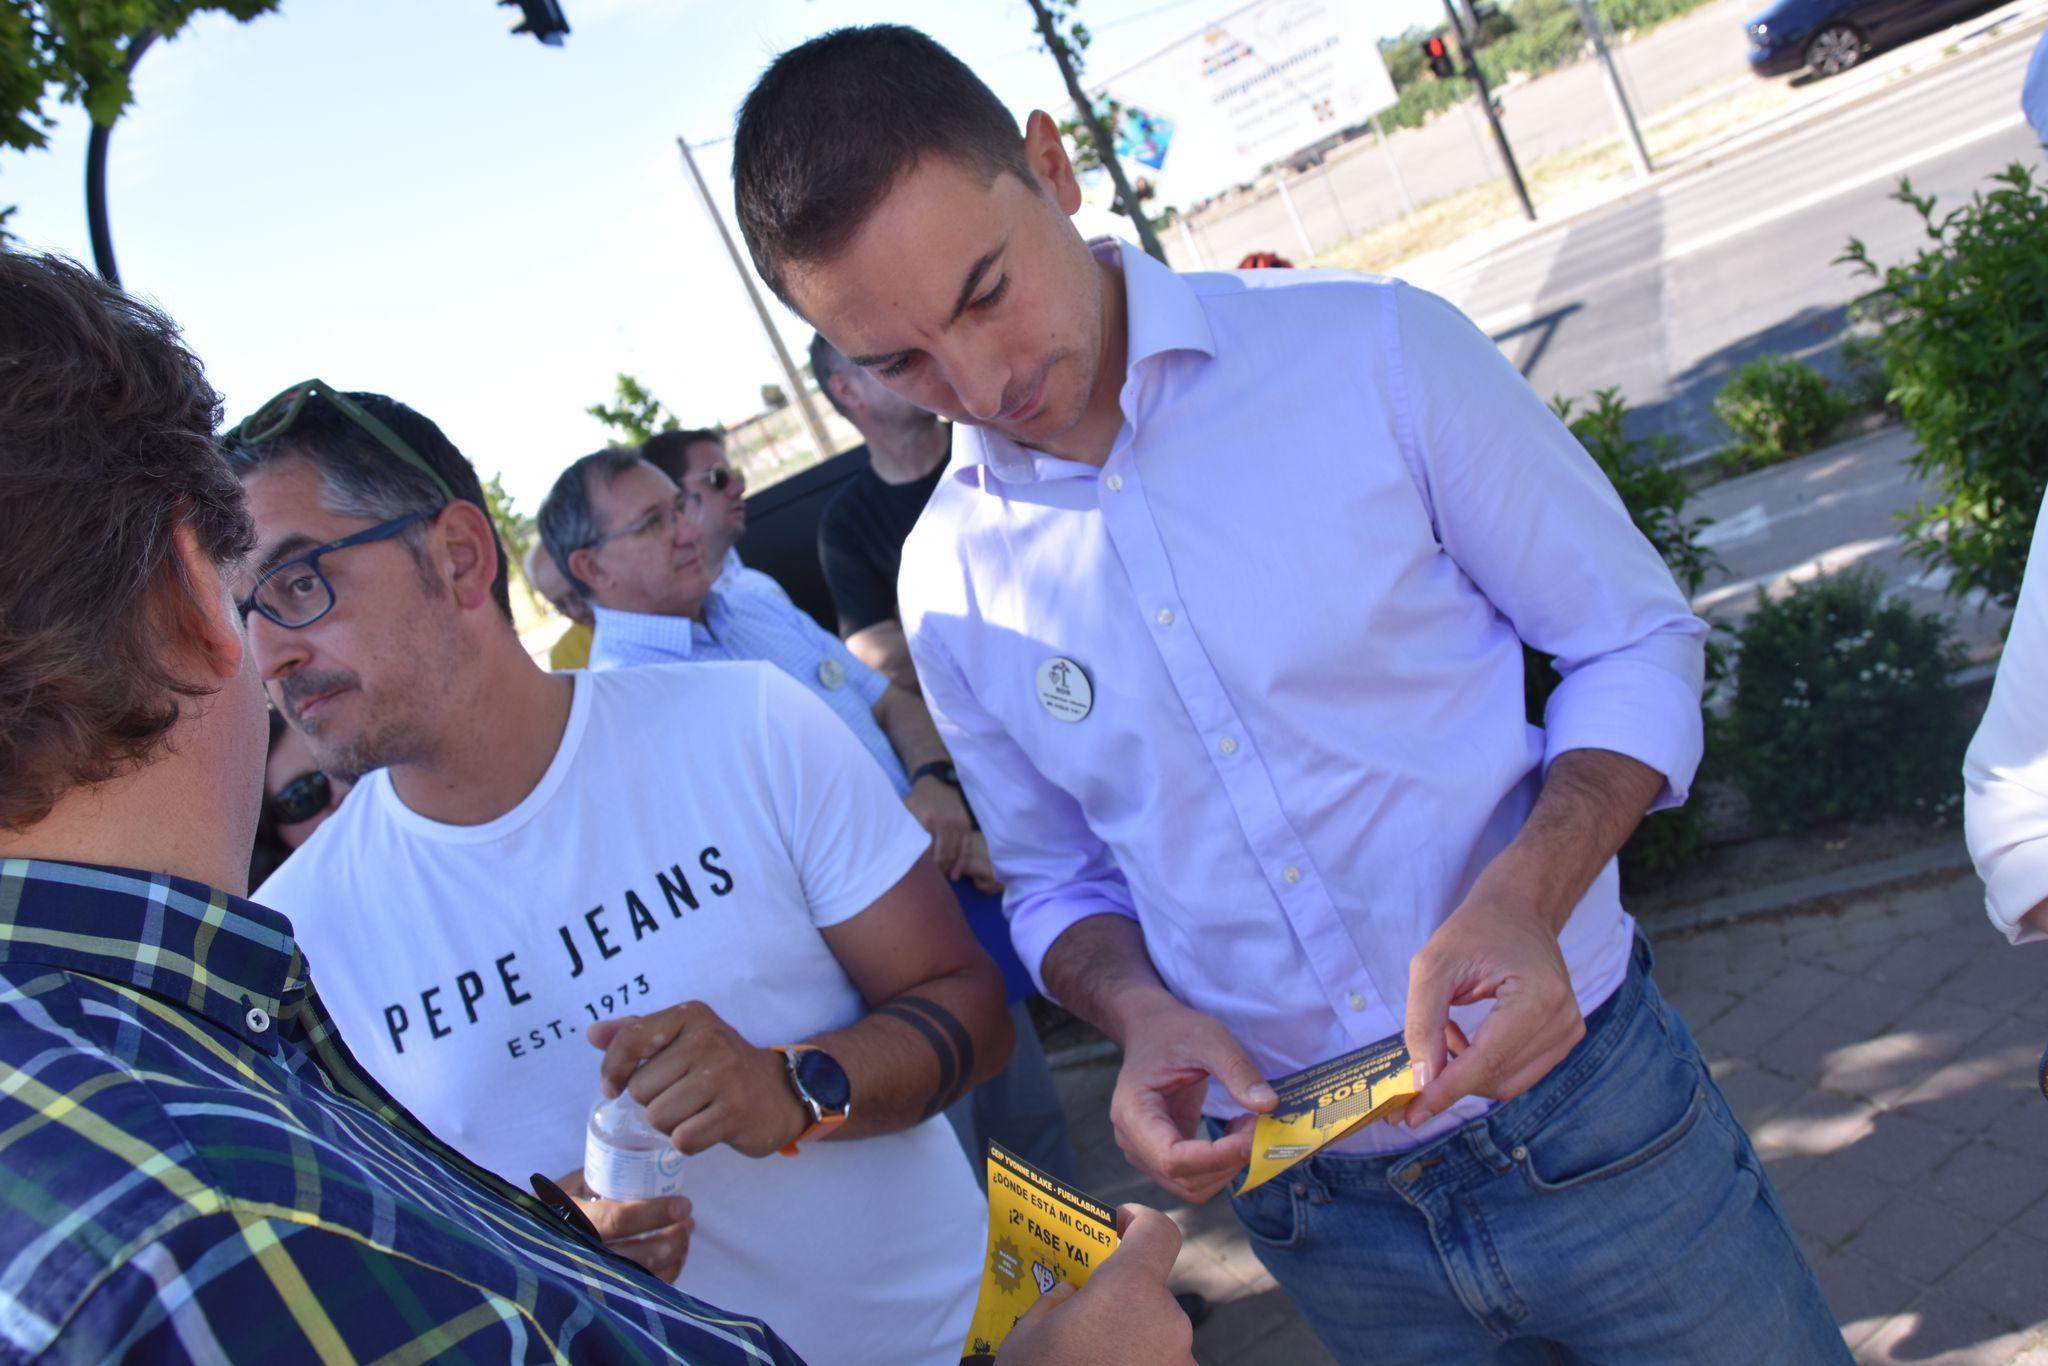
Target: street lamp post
[(96, 171)]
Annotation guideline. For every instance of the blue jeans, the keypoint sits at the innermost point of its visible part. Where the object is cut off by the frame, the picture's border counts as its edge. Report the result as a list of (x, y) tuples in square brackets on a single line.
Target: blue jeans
[(1613, 1213)]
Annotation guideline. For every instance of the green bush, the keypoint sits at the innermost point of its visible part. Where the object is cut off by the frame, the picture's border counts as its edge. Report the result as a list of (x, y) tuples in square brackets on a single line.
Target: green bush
[(1777, 407), (1655, 497), (1965, 330), (1844, 707)]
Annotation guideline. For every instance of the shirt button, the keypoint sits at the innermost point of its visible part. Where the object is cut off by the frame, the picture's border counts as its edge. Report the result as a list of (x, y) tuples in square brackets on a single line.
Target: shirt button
[(1166, 616), (1115, 482), (1356, 1001), (831, 673), (1227, 745), (258, 1019), (1291, 873)]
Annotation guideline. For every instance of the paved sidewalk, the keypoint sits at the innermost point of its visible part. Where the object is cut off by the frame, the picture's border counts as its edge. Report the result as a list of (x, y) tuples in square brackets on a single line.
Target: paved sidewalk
[(1882, 1054)]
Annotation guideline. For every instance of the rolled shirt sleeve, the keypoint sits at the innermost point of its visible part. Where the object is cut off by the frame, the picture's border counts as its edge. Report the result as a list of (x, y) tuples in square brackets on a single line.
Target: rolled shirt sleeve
[(2005, 771), (1055, 871), (1533, 521)]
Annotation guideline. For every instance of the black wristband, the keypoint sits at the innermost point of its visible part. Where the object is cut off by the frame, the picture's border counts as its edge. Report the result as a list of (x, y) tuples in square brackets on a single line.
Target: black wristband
[(942, 769)]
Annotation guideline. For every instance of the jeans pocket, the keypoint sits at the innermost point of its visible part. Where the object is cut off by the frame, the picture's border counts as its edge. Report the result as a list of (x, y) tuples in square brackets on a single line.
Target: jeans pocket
[(1590, 1146), (1271, 1215)]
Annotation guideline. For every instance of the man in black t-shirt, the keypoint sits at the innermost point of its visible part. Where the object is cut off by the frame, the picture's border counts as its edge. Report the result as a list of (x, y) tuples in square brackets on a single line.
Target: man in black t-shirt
[(861, 533), (860, 543)]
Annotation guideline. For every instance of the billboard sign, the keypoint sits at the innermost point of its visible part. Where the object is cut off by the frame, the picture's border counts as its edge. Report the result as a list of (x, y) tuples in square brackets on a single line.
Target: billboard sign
[(1248, 89)]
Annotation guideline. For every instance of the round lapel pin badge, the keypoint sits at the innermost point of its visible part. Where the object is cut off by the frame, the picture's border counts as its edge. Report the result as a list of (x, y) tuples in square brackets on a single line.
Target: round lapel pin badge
[(1064, 690)]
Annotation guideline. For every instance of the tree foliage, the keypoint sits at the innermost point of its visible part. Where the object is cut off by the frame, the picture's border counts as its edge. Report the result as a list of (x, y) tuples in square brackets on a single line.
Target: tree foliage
[(58, 52), (634, 414), (1965, 324)]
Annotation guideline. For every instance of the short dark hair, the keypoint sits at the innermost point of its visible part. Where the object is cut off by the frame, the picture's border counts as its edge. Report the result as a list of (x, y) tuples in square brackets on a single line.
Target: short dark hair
[(669, 452), (831, 125), (566, 521), (363, 479), (826, 361), (107, 446)]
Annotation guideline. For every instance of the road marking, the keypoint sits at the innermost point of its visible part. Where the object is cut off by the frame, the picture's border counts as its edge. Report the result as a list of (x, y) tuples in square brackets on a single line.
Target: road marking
[(1693, 246), (1827, 562), (1751, 521)]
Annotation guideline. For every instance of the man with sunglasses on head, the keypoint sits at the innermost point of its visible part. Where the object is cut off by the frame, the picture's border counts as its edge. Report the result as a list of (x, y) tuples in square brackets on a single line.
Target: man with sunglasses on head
[(698, 868)]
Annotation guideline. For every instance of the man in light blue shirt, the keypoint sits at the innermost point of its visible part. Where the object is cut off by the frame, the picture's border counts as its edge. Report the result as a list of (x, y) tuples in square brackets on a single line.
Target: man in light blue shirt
[(1220, 608), (621, 530)]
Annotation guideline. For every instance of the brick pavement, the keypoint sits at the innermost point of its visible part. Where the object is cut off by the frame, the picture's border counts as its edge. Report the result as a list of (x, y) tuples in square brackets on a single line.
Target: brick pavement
[(1882, 1055)]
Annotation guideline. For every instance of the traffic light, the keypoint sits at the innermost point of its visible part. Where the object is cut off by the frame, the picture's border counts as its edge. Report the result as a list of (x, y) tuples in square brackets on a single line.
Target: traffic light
[(542, 18), (1437, 53)]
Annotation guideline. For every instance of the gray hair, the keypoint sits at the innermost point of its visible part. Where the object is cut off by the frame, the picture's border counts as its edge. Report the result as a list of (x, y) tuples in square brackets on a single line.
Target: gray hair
[(567, 523), (360, 478)]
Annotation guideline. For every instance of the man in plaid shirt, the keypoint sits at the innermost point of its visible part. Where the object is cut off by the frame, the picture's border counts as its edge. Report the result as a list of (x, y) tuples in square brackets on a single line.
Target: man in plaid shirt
[(192, 1165)]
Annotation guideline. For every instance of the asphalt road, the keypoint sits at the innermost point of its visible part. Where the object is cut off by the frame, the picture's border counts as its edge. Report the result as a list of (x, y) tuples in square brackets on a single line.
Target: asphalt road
[(1666, 293), (1355, 189)]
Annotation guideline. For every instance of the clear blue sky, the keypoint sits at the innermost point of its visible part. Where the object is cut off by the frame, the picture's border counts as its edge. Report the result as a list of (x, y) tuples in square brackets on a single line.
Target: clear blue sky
[(399, 196)]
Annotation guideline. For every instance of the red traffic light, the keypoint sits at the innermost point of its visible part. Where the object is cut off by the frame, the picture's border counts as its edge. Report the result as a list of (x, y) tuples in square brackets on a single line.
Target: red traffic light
[(1436, 53)]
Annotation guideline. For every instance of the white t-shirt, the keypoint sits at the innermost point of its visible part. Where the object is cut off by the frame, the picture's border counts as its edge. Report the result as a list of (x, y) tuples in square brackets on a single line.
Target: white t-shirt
[(698, 826)]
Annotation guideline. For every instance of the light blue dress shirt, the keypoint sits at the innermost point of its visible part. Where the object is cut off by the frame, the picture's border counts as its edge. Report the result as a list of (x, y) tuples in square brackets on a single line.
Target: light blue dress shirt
[(1296, 593), (743, 621)]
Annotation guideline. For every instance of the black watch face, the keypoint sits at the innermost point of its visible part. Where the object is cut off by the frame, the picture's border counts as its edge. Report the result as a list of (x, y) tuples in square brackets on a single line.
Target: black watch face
[(824, 1080)]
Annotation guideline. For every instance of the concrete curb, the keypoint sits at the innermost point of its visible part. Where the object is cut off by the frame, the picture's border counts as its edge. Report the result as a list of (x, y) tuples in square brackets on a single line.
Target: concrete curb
[(1789, 897)]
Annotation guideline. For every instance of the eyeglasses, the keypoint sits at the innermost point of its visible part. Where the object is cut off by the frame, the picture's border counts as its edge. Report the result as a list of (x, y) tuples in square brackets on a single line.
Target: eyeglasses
[(277, 416), (301, 799), (297, 593), (664, 517), (720, 476)]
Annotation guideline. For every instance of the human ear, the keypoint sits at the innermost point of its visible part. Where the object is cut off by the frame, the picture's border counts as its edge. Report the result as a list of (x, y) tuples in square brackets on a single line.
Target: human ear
[(1047, 156), (206, 626), (471, 550)]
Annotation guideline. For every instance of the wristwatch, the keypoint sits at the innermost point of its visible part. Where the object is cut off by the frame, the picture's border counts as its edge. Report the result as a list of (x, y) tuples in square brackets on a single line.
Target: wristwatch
[(821, 1088), (942, 769)]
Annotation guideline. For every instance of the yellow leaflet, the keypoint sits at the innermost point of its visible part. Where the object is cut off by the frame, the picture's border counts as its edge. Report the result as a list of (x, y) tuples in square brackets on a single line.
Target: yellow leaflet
[(1040, 1232), (1320, 1104)]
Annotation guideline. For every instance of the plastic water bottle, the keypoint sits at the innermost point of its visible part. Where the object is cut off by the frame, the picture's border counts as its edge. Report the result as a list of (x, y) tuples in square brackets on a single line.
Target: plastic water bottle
[(627, 1158)]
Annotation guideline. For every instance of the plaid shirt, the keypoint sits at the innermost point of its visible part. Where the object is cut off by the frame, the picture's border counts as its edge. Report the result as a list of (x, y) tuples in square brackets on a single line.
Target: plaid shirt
[(192, 1165)]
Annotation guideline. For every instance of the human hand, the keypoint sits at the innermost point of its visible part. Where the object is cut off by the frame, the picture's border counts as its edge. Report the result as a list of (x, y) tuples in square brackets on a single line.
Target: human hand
[(977, 867), (1494, 946), (702, 1083), (1124, 1316), (1170, 1052), (942, 811), (654, 1233)]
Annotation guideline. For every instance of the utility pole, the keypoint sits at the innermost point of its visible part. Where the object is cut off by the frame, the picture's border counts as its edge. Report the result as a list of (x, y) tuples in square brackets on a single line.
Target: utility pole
[(1104, 148), (1500, 137), (799, 393), (1615, 94)]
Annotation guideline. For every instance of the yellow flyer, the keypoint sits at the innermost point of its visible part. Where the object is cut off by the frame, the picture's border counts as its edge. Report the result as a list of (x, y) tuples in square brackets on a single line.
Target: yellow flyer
[(1040, 1232), (1320, 1104)]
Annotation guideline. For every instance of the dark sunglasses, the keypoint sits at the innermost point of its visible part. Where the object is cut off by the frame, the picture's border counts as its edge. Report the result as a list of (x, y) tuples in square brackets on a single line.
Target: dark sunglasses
[(719, 477), (277, 416), (301, 799)]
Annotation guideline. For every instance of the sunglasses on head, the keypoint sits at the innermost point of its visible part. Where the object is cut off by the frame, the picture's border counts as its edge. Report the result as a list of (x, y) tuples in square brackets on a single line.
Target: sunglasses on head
[(282, 411), (301, 799)]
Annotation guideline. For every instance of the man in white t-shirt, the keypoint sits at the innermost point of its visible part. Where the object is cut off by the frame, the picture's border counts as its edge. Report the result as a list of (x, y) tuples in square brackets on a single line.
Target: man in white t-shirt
[(694, 865)]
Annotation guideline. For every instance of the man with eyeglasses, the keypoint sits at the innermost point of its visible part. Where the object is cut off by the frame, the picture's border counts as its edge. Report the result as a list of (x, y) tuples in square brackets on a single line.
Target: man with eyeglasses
[(697, 869)]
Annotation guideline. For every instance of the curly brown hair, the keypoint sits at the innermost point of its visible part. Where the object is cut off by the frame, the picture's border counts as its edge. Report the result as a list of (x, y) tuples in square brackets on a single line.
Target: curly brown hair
[(106, 446)]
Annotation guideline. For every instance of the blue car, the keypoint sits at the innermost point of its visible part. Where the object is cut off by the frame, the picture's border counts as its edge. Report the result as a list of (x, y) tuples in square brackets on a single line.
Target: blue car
[(1833, 35)]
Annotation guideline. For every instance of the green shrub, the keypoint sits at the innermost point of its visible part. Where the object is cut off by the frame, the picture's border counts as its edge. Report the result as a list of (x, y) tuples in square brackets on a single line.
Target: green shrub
[(1965, 330), (1863, 381), (1655, 497), (1777, 407), (1844, 707)]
